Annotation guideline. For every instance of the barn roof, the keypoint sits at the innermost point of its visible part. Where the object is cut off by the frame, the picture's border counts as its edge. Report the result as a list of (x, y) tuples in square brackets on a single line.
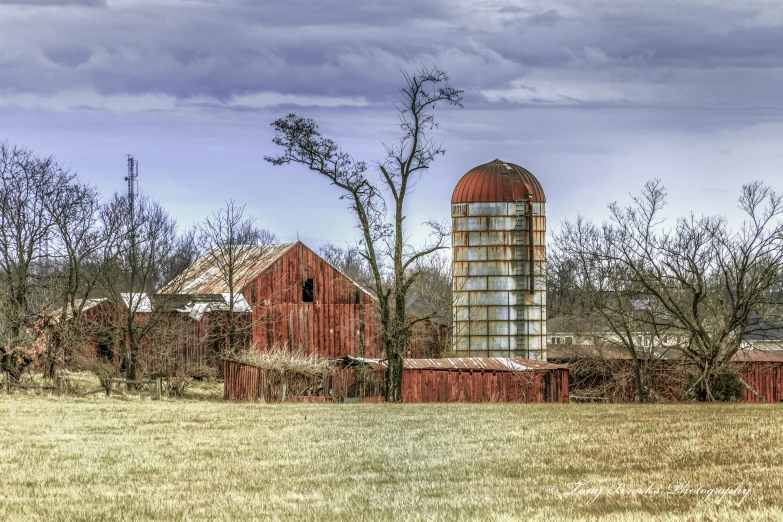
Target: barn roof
[(758, 356), (486, 364), (86, 305), (205, 277), (196, 305), (137, 301)]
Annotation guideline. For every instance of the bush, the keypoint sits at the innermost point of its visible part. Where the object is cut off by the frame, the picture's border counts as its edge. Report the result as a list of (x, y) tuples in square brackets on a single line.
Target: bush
[(726, 386)]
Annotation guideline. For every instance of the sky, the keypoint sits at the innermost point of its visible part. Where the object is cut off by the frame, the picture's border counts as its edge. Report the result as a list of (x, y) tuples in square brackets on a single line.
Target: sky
[(593, 97)]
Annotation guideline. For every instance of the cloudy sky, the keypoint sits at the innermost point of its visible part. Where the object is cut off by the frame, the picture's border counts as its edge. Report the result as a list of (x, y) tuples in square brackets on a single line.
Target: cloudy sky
[(594, 97)]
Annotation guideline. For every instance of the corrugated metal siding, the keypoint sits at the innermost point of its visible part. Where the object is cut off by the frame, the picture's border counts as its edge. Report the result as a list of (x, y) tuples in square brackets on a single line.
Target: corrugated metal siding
[(764, 377), (244, 382), (499, 305), (536, 386)]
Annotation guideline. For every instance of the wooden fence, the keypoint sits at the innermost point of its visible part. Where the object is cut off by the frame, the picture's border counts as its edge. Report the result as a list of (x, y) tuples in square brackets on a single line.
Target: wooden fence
[(11, 383)]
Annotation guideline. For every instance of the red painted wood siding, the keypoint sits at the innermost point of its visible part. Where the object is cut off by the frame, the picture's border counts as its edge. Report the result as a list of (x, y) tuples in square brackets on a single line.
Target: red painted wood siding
[(331, 326)]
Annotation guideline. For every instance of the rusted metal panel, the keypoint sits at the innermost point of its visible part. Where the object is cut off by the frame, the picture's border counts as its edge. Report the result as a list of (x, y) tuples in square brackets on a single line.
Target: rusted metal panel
[(502, 283), (491, 209), (500, 253), (497, 181), (474, 254), (459, 239), (470, 224), (484, 299), (492, 238), (500, 328), (435, 385), (489, 268)]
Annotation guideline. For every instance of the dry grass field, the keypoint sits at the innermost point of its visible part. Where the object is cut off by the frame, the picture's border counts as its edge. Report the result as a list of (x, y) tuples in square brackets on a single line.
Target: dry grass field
[(119, 459)]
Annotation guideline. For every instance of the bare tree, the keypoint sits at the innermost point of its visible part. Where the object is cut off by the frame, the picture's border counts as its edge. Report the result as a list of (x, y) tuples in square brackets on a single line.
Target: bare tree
[(611, 300), (187, 250), (384, 240), (706, 283), (82, 248), (148, 242), (233, 246), (349, 261), (39, 199)]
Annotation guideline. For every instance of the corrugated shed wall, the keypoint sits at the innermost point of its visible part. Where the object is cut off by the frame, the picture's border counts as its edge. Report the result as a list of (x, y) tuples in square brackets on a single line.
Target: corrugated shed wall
[(245, 382), (535, 386), (764, 377)]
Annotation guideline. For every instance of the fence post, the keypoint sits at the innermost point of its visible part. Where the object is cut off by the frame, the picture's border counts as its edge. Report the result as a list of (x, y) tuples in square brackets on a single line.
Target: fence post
[(160, 387), (59, 386), (108, 387), (8, 382)]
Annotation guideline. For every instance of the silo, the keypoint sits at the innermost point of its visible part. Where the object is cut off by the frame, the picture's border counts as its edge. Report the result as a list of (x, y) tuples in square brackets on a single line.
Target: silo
[(499, 263)]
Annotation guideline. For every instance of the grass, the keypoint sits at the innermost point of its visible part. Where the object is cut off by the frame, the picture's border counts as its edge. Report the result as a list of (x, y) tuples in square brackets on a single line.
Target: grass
[(65, 458)]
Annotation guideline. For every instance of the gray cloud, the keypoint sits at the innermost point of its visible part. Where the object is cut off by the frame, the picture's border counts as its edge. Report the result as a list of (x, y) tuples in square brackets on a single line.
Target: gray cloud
[(587, 55), (54, 3), (68, 56)]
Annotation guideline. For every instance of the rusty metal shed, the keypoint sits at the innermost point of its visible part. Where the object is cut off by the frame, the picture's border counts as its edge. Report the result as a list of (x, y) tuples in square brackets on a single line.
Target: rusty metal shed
[(475, 379)]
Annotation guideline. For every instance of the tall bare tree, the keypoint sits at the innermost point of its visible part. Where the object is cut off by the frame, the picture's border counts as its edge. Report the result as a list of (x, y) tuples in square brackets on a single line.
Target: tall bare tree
[(40, 201), (712, 284), (233, 246), (381, 222), (149, 240), (82, 248), (347, 260)]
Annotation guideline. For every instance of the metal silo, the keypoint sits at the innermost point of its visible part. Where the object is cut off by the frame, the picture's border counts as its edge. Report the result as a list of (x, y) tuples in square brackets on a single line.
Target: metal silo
[(499, 263)]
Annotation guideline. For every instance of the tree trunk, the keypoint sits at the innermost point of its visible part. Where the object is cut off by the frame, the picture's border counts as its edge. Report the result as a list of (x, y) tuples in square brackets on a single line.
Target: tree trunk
[(394, 374), (641, 391)]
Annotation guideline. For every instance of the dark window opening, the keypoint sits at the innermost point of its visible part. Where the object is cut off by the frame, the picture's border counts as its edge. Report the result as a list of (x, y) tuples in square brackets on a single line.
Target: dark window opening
[(308, 291), (358, 296), (105, 351)]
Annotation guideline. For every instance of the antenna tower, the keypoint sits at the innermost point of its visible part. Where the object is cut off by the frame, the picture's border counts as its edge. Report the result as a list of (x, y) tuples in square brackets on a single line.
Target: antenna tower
[(131, 178)]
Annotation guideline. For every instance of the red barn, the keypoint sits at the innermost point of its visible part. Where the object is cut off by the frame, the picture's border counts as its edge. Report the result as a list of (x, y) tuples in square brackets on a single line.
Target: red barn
[(298, 300)]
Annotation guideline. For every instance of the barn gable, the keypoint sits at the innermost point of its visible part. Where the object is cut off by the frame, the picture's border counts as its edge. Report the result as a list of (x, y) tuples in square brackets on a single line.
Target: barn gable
[(298, 300)]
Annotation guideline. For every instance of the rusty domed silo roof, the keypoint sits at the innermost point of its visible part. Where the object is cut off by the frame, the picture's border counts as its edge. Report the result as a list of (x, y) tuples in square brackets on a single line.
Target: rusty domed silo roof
[(497, 181)]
